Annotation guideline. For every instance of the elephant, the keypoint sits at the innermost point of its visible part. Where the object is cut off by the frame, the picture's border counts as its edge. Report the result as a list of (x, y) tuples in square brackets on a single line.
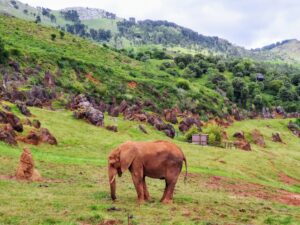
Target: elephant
[(158, 159)]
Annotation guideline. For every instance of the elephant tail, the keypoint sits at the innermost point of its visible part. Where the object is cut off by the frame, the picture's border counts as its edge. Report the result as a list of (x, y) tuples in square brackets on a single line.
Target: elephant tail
[(186, 171)]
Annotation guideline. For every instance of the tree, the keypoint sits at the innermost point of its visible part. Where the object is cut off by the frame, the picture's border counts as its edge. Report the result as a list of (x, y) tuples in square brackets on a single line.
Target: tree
[(285, 94), (258, 102), (239, 90), (62, 34), (3, 52), (221, 66), (53, 18), (38, 19), (53, 36)]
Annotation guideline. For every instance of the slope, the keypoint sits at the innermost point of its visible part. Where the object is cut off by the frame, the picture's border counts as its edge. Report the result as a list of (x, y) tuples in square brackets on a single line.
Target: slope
[(224, 186)]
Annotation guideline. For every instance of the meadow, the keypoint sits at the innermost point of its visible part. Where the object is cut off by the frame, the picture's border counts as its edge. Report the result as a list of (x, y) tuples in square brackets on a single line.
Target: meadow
[(224, 186)]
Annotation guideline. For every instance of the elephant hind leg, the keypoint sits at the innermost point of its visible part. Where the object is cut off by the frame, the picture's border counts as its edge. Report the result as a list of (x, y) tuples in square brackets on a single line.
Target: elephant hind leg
[(146, 192), (168, 194)]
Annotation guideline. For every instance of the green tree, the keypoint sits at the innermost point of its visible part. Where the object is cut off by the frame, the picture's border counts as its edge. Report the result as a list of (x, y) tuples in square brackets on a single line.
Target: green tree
[(3, 52), (285, 94), (38, 19), (53, 37), (62, 34), (258, 102)]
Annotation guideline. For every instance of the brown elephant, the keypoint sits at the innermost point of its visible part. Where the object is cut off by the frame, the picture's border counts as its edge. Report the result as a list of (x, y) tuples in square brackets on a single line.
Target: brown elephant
[(158, 159)]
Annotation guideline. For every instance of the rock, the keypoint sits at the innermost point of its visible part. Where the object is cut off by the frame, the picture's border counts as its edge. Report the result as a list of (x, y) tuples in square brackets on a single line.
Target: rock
[(239, 134), (85, 110), (143, 129), (276, 137), (23, 108), (123, 106), (170, 116), (294, 128), (139, 117), (112, 128), (8, 135), (49, 80), (15, 65), (36, 137), (258, 138), (47, 137), (114, 112), (26, 170), (280, 110), (242, 144), (13, 120), (36, 124), (188, 122)]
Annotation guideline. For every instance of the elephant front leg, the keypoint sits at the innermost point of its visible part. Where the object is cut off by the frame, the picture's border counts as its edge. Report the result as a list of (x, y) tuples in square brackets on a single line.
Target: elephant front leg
[(139, 187)]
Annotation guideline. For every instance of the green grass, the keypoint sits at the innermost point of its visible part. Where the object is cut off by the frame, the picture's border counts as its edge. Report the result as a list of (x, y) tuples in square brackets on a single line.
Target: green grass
[(78, 190)]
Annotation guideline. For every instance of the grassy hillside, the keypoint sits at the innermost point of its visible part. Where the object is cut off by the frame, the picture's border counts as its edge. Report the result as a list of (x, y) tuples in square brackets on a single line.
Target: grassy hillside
[(70, 59), (224, 186)]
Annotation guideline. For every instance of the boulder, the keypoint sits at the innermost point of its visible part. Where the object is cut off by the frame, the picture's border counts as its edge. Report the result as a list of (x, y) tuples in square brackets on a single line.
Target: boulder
[(112, 128), (242, 144), (36, 124), (15, 65), (36, 137), (26, 169), (239, 134), (258, 138), (123, 106), (276, 137), (170, 116), (188, 122), (13, 120), (114, 111), (8, 135), (23, 108), (49, 80), (47, 137)]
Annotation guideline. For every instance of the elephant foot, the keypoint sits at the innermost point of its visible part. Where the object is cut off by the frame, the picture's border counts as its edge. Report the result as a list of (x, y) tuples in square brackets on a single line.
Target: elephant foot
[(167, 201), (140, 201)]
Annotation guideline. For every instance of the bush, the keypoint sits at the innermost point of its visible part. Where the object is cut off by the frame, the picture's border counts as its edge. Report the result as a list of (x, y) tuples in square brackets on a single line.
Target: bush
[(214, 135), (183, 84), (53, 36), (189, 134)]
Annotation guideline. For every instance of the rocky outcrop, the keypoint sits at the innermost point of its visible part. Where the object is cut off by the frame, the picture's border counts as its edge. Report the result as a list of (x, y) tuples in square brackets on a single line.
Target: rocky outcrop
[(38, 136), (239, 134), (112, 128), (188, 122), (26, 169), (170, 116), (276, 137), (8, 135), (23, 108), (243, 144), (13, 120), (258, 138), (85, 110)]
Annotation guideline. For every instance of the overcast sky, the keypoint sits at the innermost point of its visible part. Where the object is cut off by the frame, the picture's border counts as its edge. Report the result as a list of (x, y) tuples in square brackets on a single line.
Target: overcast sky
[(248, 23)]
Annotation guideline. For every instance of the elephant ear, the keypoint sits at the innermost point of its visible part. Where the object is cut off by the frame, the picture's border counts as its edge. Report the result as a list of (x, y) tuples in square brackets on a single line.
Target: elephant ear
[(127, 155)]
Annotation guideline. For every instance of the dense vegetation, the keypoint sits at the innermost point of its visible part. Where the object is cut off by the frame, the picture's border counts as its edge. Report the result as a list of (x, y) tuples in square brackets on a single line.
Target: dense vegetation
[(198, 83)]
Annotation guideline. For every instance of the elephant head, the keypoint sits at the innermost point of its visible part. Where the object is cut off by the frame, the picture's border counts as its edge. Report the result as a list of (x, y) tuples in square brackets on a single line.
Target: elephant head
[(119, 161)]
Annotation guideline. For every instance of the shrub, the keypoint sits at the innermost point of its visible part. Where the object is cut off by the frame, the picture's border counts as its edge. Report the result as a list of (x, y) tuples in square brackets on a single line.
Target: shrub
[(214, 135), (183, 84), (53, 36), (62, 34), (189, 134)]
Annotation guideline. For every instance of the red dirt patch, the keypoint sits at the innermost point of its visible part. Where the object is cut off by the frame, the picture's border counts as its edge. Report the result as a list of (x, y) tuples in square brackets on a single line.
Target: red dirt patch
[(253, 190), (288, 180), (92, 79), (132, 85)]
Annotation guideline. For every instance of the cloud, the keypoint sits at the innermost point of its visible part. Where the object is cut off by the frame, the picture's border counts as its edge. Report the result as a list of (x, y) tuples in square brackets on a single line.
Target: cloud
[(247, 23)]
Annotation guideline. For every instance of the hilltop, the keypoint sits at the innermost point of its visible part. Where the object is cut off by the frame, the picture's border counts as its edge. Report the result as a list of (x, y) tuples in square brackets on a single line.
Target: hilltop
[(107, 27)]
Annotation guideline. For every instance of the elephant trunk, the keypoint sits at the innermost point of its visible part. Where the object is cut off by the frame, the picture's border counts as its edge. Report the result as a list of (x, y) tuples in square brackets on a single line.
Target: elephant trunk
[(112, 173)]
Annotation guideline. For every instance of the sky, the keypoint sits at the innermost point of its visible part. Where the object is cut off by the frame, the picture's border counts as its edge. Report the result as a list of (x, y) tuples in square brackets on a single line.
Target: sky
[(247, 23)]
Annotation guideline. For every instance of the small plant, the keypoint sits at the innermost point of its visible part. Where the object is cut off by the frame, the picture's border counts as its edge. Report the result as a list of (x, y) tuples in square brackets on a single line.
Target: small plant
[(183, 84), (189, 134), (53, 37)]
